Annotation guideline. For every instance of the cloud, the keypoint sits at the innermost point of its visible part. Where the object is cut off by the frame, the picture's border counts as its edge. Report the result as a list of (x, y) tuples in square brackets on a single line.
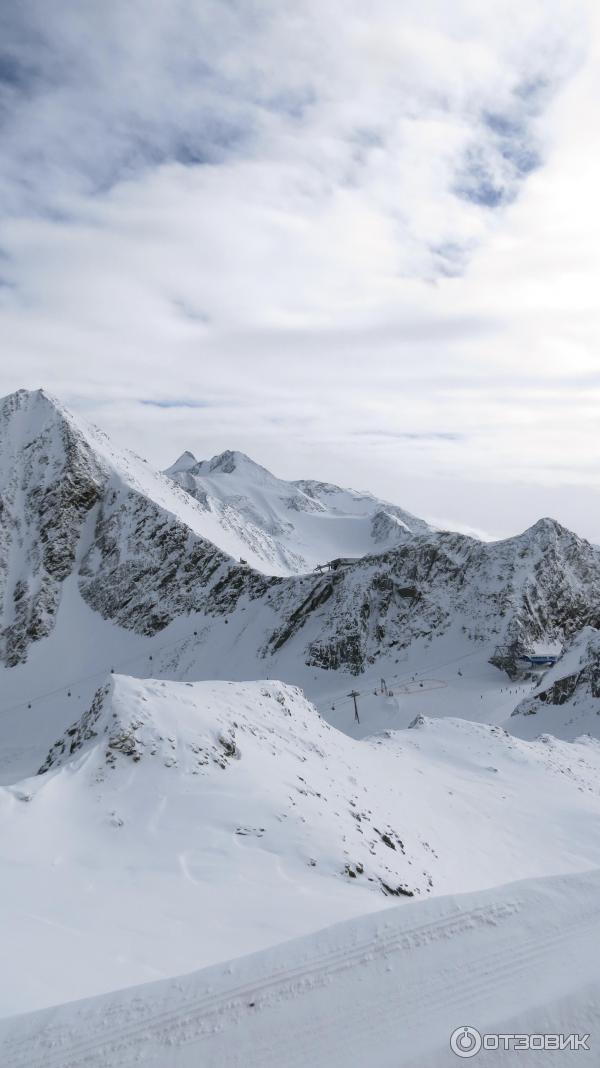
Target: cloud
[(181, 403), (337, 227), (420, 435)]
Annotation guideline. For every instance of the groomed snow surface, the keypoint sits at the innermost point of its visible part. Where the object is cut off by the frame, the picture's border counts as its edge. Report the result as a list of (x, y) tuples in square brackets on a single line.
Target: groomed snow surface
[(177, 825), (386, 991)]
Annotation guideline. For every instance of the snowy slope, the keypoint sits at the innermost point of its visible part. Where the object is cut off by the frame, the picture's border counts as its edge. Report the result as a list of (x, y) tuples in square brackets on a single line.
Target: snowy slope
[(148, 816), (567, 701), (72, 502), (285, 528), (105, 564), (385, 990), (170, 813)]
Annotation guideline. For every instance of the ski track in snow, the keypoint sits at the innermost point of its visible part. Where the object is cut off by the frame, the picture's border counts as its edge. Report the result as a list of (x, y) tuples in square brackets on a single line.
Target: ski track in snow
[(386, 990), (171, 811)]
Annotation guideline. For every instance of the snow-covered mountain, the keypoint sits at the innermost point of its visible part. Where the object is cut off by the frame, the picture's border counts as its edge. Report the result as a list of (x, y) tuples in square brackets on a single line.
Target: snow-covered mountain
[(528, 592), (147, 814), (72, 503), (174, 825), (285, 528), (106, 564)]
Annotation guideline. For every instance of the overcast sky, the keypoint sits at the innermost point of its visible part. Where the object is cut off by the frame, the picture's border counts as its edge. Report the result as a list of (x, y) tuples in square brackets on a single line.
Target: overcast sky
[(360, 242)]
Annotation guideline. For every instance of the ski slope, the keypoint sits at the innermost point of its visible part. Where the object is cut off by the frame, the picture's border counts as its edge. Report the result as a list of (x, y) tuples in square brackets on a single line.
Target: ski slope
[(171, 812), (385, 990), (167, 804), (105, 565)]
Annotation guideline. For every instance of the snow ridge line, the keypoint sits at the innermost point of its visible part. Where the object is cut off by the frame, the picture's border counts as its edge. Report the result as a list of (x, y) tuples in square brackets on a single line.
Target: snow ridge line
[(443, 928), (487, 974), (319, 969)]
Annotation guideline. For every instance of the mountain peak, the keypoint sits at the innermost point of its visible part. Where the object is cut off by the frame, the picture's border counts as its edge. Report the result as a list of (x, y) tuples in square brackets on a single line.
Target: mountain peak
[(543, 532), (549, 527), (185, 462), (23, 399), (226, 463), (26, 414), (547, 523)]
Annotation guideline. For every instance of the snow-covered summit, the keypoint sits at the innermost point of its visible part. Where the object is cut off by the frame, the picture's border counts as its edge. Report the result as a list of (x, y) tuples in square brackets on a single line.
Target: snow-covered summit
[(225, 463), (72, 503), (91, 535), (230, 461), (286, 527), (185, 462)]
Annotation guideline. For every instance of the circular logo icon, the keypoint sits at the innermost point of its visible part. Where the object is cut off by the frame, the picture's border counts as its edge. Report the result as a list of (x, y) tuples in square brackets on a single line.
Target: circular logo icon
[(465, 1041)]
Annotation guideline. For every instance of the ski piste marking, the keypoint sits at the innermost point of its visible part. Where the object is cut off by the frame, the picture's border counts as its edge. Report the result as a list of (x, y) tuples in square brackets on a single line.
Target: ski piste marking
[(319, 969), (400, 679)]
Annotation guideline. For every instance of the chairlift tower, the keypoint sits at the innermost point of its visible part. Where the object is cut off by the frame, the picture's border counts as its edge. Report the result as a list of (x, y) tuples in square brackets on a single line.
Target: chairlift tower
[(354, 694)]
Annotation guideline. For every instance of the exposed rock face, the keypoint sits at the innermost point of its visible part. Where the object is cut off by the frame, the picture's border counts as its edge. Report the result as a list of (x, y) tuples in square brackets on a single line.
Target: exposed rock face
[(50, 481), (145, 567), (542, 586), (73, 507), (120, 730), (573, 681)]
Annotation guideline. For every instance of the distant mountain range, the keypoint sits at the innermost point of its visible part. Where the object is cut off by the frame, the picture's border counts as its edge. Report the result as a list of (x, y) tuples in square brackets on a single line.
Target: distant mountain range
[(170, 797), (101, 554), (285, 528)]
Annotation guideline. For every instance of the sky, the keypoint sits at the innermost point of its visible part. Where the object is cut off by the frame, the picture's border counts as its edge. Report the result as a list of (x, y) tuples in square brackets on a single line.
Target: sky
[(359, 242)]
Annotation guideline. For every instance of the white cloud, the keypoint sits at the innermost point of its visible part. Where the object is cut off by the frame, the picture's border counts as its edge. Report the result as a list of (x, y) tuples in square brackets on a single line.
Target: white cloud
[(316, 221)]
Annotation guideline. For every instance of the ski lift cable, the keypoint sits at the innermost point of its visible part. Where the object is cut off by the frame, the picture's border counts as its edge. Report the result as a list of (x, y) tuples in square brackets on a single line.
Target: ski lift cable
[(168, 645), (115, 666)]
